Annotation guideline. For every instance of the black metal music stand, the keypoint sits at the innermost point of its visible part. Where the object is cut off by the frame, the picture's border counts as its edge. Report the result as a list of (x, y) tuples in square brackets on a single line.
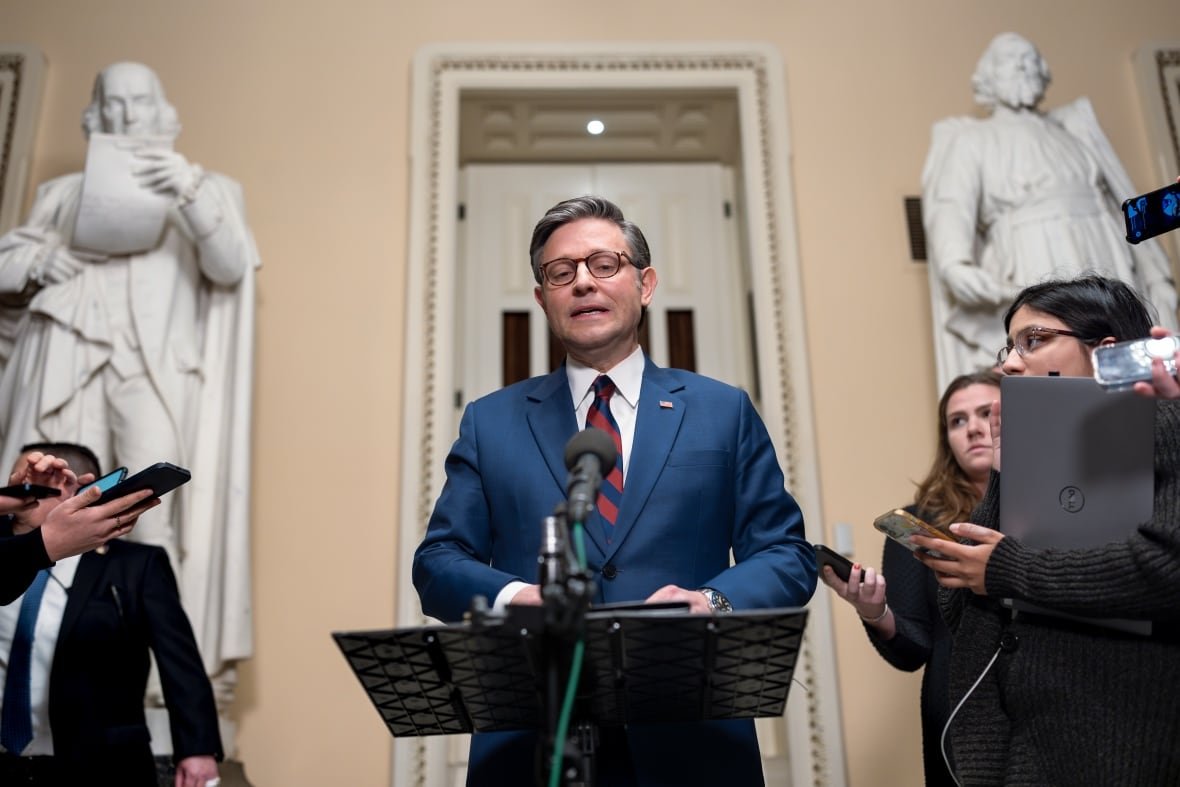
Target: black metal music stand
[(641, 667)]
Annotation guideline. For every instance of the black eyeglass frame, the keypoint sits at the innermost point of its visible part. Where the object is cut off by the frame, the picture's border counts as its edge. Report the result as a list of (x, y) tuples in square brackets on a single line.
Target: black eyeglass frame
[(618, 257)]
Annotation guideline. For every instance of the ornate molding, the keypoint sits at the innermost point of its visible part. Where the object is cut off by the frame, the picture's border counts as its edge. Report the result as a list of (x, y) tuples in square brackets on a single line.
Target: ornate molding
[(22, 72), (440, 75)]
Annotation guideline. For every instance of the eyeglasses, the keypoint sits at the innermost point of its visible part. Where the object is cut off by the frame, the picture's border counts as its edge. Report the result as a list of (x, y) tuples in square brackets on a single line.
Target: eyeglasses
[(1029, 339), (601, 264)]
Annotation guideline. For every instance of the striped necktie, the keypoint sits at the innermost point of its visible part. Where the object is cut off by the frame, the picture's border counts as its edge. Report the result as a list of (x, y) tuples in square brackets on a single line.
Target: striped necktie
[(16, 719), (600, 417)]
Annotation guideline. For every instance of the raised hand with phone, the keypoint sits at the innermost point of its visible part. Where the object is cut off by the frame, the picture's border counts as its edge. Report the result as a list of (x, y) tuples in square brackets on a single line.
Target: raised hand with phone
[(73, 519)]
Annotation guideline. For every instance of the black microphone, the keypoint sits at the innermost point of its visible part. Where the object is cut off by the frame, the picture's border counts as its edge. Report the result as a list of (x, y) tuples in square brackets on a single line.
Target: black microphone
[(589, 455)]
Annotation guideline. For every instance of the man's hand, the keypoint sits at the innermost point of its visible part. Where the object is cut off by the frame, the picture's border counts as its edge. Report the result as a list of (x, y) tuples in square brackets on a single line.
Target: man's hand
[(166, 172), (196, 771), (46, 470), (697, 603), (74, 527), (64, 264), (530, 595), (16, 505), (962, 565)]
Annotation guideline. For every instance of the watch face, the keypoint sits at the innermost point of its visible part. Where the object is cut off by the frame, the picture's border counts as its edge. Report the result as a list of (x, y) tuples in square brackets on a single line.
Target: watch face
[(717, 601)]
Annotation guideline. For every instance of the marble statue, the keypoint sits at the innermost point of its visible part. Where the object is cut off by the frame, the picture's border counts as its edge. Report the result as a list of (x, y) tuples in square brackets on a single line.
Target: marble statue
[(144, 353), (1019, 197)]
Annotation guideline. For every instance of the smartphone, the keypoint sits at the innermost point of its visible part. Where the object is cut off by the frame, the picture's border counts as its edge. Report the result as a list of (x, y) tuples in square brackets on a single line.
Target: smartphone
[(900, 525), (26, 491), (1119, 366), (1153, 213), (826, 556), (161, 478), (107, 481)]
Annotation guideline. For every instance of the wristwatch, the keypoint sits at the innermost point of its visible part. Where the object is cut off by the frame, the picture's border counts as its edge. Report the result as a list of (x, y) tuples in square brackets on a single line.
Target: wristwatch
[(717, 600)]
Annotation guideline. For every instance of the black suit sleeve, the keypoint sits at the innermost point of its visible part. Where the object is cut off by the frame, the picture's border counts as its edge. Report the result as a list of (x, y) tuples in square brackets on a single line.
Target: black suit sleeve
[(187, 691), (21, 557)]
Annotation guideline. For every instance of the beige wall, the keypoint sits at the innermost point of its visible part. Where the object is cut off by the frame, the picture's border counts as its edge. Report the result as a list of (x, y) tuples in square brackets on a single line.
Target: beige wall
[(308, 108)]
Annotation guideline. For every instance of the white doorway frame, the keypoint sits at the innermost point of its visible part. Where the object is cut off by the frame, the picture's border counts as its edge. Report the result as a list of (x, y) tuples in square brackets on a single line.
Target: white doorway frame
[(754, 71)]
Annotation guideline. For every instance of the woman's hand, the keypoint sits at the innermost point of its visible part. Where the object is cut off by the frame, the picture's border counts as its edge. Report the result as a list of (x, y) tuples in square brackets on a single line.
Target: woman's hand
[(867, 597), (961, 565)]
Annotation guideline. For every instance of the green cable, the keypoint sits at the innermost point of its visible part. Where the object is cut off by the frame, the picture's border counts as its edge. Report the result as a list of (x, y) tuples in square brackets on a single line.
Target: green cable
[(567, 704)]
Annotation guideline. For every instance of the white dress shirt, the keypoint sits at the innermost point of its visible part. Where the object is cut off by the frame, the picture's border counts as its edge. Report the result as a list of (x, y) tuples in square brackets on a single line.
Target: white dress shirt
[(53, 606)]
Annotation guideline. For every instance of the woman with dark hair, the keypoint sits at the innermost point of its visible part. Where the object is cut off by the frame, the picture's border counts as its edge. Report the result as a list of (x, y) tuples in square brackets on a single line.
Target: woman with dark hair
[(908, 631), (1045, 700)]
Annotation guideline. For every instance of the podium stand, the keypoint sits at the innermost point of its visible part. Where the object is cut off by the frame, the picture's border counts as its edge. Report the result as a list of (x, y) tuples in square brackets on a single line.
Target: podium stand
[(641, 667)]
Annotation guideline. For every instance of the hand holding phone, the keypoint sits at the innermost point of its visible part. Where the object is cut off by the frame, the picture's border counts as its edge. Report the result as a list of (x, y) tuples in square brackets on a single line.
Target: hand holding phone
[(161, 478), (899, 525), (826, 556), (1119, 366)]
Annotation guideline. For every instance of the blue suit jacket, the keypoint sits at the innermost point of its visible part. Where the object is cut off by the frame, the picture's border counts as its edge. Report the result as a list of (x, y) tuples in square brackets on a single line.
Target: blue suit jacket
[(702, 479)]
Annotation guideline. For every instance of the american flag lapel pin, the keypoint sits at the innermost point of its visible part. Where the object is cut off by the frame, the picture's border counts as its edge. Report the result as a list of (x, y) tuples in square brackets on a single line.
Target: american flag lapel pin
[(665, 404)]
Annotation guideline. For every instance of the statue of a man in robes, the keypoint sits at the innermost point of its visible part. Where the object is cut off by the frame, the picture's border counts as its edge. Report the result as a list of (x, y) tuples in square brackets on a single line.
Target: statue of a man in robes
[(1020, 197), (144, 354)]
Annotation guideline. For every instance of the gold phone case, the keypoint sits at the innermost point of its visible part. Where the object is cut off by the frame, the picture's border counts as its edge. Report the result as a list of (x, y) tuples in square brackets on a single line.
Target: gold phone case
[(900, 525)]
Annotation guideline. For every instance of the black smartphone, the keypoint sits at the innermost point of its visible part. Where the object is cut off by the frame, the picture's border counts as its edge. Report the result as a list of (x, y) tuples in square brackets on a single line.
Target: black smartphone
[(840, 564), (1153, 213), (107, 481), (26, 491), (161, 478)]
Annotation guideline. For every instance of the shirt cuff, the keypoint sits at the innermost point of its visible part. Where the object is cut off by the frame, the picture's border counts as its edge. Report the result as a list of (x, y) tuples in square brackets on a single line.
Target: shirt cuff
[(506, 595)]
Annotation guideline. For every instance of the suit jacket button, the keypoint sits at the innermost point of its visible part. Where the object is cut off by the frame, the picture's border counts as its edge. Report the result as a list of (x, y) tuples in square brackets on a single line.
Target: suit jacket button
[(609, 571)]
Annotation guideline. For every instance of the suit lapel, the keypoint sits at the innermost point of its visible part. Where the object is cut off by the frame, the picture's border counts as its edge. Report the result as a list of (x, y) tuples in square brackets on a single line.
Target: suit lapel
[(551, 420), (656, 427), (91, 569)]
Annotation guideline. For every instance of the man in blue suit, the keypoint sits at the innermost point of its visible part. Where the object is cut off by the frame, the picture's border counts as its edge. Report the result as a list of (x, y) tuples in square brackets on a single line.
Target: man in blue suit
[(699, 478)]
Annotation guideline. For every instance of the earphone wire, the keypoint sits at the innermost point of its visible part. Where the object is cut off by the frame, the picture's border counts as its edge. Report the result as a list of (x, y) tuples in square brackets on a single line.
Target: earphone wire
[(950, 719)]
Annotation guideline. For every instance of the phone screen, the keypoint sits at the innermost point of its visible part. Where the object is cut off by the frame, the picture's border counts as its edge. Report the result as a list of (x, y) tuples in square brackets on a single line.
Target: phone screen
[(107, 481), (1153, 213)]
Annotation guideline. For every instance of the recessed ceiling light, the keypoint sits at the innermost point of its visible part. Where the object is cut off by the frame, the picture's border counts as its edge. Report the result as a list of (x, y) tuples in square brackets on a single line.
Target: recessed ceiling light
[(595, 127)]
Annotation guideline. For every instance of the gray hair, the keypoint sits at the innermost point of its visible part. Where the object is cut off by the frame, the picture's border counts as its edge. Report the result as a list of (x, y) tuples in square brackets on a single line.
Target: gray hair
[(587, 207), (983, 81), (169, 121)]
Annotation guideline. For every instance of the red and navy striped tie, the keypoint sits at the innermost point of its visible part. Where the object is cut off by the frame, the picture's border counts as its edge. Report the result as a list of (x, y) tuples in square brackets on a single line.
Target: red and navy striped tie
[(600, 417)]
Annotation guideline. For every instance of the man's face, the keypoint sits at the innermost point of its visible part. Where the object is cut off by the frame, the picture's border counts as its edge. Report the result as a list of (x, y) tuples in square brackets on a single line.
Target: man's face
[(596, 319), (1018, 81), (130, 105)]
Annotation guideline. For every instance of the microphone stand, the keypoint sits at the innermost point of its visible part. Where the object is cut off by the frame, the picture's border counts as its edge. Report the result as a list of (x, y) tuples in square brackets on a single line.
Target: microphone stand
[(566, 590)]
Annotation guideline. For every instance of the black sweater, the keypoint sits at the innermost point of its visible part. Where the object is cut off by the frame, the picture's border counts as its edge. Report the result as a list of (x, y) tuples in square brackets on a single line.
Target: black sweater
[(921, 640), (1067, 703)]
